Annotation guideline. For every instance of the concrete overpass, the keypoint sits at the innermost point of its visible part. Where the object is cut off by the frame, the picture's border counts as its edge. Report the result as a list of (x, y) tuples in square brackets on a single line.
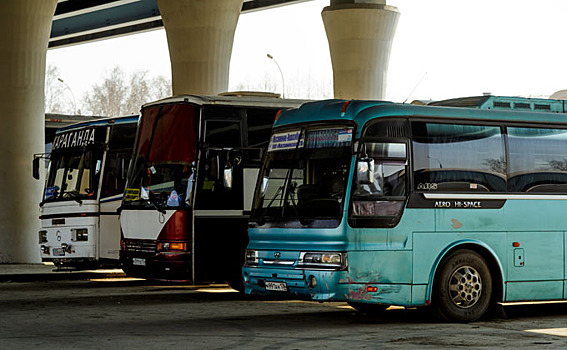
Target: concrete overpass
[(200, 36), (80, 21)]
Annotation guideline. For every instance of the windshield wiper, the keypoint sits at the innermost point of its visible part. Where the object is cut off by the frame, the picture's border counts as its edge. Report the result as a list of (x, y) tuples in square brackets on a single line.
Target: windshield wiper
[(74, 194), (154, 205), (261, 220), (291, 190), (284, 189)]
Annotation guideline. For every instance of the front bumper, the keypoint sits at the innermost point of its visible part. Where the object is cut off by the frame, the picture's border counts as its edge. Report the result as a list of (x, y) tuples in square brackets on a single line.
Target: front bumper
[(321, 285), (169, 267)]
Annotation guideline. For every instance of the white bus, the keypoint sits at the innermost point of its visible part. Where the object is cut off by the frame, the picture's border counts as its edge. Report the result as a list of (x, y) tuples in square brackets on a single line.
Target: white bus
[(83, 190)]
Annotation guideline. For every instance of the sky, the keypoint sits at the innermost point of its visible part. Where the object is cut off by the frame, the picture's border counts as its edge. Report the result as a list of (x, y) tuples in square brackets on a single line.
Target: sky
[(442, 49)]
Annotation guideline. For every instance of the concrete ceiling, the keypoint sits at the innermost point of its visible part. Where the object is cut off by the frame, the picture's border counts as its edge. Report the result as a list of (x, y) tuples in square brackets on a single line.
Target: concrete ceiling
[(80, 21)]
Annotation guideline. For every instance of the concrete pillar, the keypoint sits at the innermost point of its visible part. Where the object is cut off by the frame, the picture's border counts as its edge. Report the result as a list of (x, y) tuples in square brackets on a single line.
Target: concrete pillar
[(200, 36), (25, 27), (360, 34)]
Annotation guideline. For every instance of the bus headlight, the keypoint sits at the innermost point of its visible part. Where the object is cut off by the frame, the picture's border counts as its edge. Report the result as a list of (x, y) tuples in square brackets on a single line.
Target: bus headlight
[(324, 260), (251, 258), (80, 234)]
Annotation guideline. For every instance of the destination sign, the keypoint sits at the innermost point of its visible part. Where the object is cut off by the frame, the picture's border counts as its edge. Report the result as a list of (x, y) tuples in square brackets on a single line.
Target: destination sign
[(315, 139), (285, 141), (76, 138)]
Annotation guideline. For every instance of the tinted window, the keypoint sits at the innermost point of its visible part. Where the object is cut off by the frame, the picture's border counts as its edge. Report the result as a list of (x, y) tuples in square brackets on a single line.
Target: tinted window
[(118, 158), (538, 160), (223, 133), (260, 123), (462, 158)]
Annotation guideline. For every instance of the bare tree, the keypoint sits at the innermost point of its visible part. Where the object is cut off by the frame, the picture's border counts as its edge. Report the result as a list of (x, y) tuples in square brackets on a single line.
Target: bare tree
[(122, 95), (140, 92), (303, 84), (56, 96), (106, 98), (160, 87)]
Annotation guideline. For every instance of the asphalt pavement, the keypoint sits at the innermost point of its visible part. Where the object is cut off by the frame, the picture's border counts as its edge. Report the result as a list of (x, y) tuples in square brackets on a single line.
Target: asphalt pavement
[(48, 272)]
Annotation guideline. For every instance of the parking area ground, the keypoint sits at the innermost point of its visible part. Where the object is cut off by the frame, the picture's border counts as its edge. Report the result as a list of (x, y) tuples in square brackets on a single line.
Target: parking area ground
[(113, 313)]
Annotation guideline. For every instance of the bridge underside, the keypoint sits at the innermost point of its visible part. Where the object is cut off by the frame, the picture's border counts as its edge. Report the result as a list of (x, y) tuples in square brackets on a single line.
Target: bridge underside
[(80, 21)]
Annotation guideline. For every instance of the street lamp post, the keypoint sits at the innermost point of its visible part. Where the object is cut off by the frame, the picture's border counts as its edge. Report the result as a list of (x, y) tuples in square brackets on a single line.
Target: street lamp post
[(72, 95), (283, 84)]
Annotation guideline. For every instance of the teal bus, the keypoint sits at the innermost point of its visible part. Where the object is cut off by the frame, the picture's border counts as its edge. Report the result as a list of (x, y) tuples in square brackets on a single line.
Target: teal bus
[(457, 205)]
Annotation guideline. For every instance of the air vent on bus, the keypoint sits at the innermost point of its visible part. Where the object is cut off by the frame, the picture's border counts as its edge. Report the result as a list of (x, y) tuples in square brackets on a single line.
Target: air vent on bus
[(522, 105), (506, 102), (499, 104), (542, 107)]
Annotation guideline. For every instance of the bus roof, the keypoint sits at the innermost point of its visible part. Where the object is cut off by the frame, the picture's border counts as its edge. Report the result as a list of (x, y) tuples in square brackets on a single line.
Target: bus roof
[(363, 111), (57, 121), (505, 103), (100, 122), (238, 99)]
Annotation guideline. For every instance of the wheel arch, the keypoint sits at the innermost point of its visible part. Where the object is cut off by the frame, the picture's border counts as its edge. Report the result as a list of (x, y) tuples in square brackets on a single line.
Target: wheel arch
[(488, 254)]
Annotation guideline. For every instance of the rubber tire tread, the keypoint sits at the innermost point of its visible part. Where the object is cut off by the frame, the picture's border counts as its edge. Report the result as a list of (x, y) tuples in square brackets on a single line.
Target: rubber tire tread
[(443, 306)]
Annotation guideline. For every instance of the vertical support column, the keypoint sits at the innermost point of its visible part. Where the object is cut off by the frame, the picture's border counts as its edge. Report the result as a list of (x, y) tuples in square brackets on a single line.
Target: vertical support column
[(200, 35), (25, 27), (360, 34)]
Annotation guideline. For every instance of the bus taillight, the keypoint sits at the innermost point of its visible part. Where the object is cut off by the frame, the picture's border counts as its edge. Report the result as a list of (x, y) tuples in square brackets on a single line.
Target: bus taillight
[(171, 246)]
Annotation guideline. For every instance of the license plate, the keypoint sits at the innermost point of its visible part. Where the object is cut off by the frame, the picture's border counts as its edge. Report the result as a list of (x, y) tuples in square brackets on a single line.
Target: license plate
[(276, 286), (138, 262), (58, 252)]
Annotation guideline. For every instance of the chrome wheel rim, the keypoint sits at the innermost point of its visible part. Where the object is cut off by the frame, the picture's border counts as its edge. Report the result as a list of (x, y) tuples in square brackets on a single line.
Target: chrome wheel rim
[(465, 287)]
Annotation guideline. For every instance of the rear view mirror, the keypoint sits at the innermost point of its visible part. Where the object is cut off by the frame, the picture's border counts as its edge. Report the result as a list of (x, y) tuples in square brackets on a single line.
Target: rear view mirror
[(35, 167), (365, 171)]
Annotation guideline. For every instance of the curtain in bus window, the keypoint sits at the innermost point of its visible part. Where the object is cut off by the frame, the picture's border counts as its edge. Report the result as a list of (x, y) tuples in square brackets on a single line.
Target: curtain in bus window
[(462, 158), (538, 160), (174, 135), (147, 122)]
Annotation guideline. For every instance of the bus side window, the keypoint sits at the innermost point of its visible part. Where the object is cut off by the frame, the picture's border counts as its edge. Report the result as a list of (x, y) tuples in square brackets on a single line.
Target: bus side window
[(538, 160), (374, 199), (117, 159), (114, 174), (378, 200), (458, 157)]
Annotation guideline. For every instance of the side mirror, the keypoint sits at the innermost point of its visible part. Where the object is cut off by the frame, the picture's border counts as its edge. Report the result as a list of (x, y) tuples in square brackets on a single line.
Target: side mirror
[(214, 167), (227, 178), (35, 167), (365, 171)]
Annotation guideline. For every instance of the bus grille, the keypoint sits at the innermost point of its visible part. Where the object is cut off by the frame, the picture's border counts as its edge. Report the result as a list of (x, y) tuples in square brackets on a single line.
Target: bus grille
[(140, 246)]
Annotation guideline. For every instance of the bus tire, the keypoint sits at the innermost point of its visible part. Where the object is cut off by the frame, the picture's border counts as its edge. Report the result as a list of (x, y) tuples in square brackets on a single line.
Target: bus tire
[(462, 291)]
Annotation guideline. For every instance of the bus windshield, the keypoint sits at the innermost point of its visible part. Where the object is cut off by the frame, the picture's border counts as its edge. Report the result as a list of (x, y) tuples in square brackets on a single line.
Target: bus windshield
[(164, 162), (73, 174), (303, 180)]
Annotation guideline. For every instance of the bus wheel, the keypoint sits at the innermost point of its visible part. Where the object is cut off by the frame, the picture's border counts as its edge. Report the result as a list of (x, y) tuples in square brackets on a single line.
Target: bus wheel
[(371, 309), (463, 288)]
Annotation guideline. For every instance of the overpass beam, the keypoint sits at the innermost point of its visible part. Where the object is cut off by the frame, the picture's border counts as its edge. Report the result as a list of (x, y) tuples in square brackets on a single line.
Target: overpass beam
[(360, 35), (200, 35), (25, 27)]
